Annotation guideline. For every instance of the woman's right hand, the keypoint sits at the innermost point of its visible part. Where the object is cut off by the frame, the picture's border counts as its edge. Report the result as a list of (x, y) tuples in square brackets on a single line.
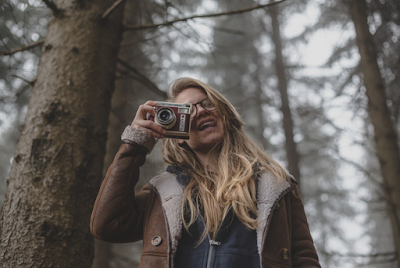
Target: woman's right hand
[(141, 122)]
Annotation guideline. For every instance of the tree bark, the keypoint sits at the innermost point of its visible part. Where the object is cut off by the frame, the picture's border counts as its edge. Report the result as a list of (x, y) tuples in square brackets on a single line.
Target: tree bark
[(387, 149), (58, 162), (290, 146)]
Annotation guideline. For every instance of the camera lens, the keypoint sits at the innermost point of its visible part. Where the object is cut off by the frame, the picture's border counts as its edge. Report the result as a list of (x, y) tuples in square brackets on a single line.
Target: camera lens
[(165, 117)]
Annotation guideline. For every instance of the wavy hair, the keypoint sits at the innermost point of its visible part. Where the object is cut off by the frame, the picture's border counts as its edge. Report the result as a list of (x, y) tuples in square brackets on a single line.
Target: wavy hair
[(238, 161)]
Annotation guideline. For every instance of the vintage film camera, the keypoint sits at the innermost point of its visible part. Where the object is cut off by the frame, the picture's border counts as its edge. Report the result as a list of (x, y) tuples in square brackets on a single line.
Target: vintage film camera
[(175, 118)]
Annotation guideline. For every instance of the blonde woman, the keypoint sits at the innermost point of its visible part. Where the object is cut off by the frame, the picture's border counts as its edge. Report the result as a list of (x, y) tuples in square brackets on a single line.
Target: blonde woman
[(223, 202)]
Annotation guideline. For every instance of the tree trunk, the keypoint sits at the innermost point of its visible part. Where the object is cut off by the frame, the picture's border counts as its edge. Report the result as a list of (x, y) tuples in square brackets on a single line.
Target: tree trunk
[(58, 163), (258, 105), (290, 146), (259, 100), (387, 149)]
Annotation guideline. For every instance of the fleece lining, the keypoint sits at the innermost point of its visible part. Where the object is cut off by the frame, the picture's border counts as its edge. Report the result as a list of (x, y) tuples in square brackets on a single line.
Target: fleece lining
[(270, 190), (140, 137), (171, 195)]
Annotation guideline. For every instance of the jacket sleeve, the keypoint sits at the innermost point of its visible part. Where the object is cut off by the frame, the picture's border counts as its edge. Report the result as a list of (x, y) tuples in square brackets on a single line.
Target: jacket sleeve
[(118, 213), (303, 250)]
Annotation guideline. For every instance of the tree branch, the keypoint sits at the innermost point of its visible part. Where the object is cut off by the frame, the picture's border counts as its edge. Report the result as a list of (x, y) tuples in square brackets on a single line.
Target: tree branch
[(171, 22), (32, 45), (111, 9), (360, 168), (50, 4), (143, 79), (31, 83), (20, 91), (355, 255)]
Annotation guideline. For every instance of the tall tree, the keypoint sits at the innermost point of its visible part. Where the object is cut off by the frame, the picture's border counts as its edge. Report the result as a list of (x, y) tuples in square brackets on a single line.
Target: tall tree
[(387, 149), (347, 90), (292, 154), (57, 164)]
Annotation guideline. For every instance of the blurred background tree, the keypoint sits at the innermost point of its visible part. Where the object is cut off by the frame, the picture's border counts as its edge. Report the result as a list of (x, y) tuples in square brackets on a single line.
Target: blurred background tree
[(309, 73)]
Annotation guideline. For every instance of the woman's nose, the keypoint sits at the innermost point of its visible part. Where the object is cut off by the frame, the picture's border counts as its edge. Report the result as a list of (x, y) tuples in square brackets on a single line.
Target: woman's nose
[(200, 110)]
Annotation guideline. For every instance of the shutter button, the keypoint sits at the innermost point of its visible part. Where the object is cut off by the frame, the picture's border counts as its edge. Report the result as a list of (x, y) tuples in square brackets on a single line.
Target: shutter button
[(156, 241)]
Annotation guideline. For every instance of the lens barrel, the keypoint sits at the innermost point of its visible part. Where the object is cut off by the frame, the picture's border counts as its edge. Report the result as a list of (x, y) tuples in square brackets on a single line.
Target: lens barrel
[(165, 117)]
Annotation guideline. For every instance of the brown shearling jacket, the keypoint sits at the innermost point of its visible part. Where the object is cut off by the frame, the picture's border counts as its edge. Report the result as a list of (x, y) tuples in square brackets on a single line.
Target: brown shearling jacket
[(153, 215)]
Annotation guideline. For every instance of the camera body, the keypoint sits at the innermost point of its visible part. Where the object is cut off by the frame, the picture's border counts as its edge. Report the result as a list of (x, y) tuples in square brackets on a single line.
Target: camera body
[(175, 118)]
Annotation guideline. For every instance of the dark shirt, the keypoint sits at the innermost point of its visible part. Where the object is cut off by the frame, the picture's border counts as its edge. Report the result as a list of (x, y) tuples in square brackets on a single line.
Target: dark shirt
[(235, 246)]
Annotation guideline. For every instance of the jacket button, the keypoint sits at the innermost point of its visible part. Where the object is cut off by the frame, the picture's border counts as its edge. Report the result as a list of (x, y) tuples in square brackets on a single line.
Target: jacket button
[(285, 253), (156, 241), (277, 206)]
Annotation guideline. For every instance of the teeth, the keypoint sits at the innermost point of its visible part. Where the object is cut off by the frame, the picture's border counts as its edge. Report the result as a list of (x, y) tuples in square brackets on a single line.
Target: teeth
[(205, 124)]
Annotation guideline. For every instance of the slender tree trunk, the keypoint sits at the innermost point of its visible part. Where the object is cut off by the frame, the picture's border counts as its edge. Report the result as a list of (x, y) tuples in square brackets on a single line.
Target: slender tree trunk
[(259, 101), (58, 162), (290, 146), (387, 149)]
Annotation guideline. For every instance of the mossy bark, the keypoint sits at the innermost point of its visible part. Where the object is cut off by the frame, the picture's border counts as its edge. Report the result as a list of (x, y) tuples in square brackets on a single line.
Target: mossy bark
[(57, 166)]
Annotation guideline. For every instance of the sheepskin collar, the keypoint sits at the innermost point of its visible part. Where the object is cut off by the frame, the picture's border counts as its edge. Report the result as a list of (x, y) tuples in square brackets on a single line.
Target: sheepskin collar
[(269, 191), (171, 195)]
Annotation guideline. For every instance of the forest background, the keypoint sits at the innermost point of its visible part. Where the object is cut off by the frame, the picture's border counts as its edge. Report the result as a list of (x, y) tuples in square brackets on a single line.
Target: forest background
[(317, 83)]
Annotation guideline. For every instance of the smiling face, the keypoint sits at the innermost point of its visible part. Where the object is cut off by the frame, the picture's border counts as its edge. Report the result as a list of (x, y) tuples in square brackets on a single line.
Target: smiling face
[(207, 127)]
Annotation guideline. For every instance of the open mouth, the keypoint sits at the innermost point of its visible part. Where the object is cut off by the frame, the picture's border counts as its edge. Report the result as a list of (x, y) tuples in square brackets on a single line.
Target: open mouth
[(207, 124)]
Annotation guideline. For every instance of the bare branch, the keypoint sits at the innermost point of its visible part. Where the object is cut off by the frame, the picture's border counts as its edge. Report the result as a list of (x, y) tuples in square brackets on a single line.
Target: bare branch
[(360, 168), (355, 255), (27, 47), (31, 83), (21, 90), (50, 4), (169, 23), (143, 79), (111, 9)]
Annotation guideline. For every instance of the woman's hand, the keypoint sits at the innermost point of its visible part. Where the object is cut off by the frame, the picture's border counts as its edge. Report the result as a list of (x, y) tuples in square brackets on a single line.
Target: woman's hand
[(140, 121)]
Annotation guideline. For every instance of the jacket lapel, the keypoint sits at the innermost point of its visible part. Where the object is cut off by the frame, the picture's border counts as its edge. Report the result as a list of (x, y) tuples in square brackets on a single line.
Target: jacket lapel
[(269, 192), (171, 195)]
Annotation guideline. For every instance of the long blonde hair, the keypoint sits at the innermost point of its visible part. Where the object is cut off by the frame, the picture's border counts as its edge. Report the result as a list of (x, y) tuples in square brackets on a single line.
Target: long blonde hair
[(238, 160)]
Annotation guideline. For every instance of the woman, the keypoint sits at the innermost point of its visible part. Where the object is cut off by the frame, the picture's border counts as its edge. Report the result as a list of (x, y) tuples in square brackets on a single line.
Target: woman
[(223, 202)]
